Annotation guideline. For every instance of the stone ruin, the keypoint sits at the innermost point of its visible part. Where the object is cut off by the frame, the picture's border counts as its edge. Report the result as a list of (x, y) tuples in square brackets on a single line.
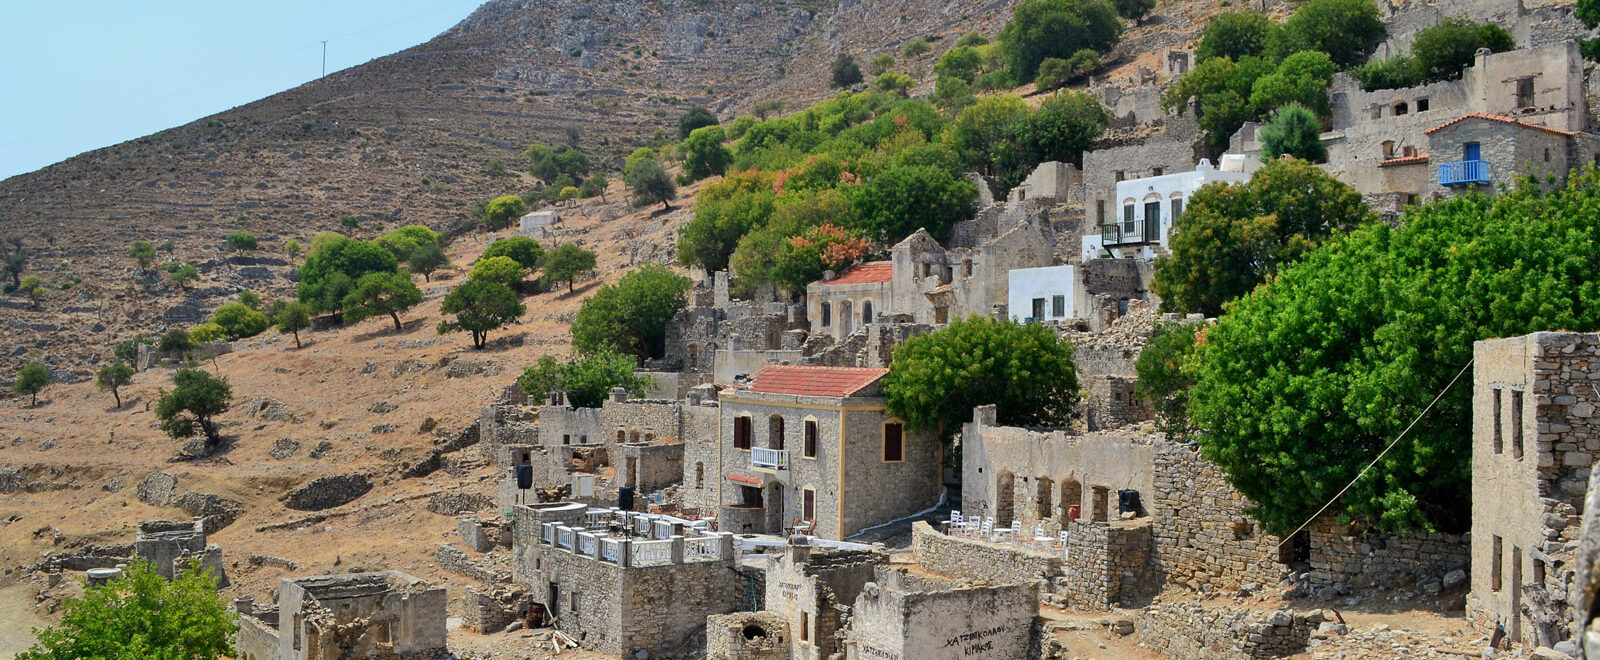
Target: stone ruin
[(385, 615)]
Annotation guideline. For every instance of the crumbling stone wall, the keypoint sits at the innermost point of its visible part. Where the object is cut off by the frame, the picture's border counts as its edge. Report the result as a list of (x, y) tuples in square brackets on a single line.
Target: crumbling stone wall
[(648, 467), (806, 585), (1109, 403), (1107, 564), (981, 561), (905, 616), (1192, 631), (492, 611), (747, 636)]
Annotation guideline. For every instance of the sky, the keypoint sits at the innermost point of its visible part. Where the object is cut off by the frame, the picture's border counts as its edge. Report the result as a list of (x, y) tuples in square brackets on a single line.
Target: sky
[(77, 75)]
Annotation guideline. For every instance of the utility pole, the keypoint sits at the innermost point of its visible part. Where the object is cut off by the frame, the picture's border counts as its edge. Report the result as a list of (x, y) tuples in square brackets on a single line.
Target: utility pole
[(324, 59)]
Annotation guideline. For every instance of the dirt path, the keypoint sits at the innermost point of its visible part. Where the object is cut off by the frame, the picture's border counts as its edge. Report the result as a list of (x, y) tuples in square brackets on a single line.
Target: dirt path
[(17, 619)]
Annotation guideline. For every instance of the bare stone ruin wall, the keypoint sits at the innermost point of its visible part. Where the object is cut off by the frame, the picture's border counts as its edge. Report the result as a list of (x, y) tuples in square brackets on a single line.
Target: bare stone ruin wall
[(1107, 564), (1190, 631), (980, 561)]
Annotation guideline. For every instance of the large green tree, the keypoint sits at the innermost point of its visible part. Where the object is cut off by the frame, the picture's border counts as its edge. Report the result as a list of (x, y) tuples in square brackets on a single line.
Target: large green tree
[(587, 381), (1025, 370), (381, 293), (1234, 237), (1165, 374), (141, 616), (1309, 378), (405, 241), (1056, 28), (333, 266), (1293, 131), (694, 118), (704, 155), (480, 307), (566, 263), (501, 211), (1235, 35), (903, 199), (1344, 29), (631, 316), (649, 183), (190, 408), (521, 249)]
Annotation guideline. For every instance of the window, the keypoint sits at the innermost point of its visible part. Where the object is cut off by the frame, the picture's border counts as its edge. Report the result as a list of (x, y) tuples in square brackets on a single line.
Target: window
[(622, 436), (1524, 93), (1156, 171), (1547, 154), (808, 506), (827, 314), (894, 448), (1538, 571), (1121, 176), (741, 432), (1388, 149), (1377, 111), (805, 623), (1400, 109), (1499, 445), (775, 432), (1038, 309), (566, 439), (699, 474), (866, 311), (1127, 218), (1058, 306), (1177, 208), (811, 439), (299, 623), (1516, 424), (1422, 105), (1100, 209), (1494, 566), (966, 268), (574, 602)]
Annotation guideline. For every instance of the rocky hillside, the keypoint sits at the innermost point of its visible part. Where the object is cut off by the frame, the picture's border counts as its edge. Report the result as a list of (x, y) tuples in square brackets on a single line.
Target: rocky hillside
[(407, 139)]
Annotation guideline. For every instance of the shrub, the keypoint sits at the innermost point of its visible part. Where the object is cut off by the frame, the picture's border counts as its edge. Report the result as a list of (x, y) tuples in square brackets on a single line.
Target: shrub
[(915, 47), (189, 408), (695, 118), (1040, 29), (521, 249), (1293, 131), (1235, 35), (238, 320), (426, 260), (501, 270), (501, 211), (141, 614), (1343, 29), (242, 242), (881, 64), (587, 381), (143, 253), (31, 380), (844, 72), (566, 263)]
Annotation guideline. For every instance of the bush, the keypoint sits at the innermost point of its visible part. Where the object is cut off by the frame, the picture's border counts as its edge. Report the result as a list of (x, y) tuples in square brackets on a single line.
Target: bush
[(183, 275), (206, 333), (334, 265), (1343, 29), (915, 47), (142, 615), (695, 118), (1300, 78), (1293, 131), (242, 242), (1236, 35), (844, 72), (587, 381), (521, 249), (176, 341), (961, 62), (1388, 73), (239, 321), (881, 64), (972, 38), (501, 211), (500, 270), (1442, 51), (427, 259), (650, 183), (631, 316), (1041, 29), (902, 199), (1135, 10), (143, 253), (406, 240), (704, 154), (893, 83)]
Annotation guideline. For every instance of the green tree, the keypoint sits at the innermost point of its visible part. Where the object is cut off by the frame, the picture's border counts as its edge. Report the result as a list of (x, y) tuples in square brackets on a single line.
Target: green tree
[(349, 222), (704, 155), (196, 399), (334, 265), (1232, 238), (972, 38), (1389, 73), (13, 259), (1343, 29), (962, 62), (1221, 89), (406, 240), (587, 381), (113, 377), (1293, 131), (177, 341), (206, 333), (893, 82), (1442, 51), (1301, 78), (1135, 10), (1165, 375), (141, 615), (250, 299), (566, 263), (650, 183), (480, 307), (127, 350), (1235, 35), (1304, 382), (501, 211), (1040, 29), (426, 260), (239, 321), (844, 72), (695, 118), (242, 242), (144, 253), (1055, 73), (900, 200), (1025, 370), (500, 270), (724, 212), (291, 319), (981, 126), (1063, 127), (183, 275), (292, 248), (631, 315), (595, 186), (381, 293), (33, 288), (881, 64), (521, 249), (31, 380)]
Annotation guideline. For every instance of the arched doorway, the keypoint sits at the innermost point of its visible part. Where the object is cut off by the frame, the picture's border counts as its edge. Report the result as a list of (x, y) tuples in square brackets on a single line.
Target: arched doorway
[(1071, 495)]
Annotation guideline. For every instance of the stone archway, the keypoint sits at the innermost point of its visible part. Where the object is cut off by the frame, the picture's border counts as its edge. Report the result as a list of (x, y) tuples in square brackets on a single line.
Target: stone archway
[(1071, 495)]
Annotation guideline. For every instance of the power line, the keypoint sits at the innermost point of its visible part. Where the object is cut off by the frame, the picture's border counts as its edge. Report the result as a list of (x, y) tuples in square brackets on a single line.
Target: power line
[(1381, 454)]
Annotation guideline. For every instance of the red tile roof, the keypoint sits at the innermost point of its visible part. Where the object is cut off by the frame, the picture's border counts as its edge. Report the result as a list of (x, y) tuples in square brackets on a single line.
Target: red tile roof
[(876, 271), (814, 381), (1404, 160), (739, 478), (1499, 118)]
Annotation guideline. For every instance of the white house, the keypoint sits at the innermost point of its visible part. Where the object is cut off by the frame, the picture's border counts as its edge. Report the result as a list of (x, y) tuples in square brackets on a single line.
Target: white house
[(1149, 206), (1053, 293)]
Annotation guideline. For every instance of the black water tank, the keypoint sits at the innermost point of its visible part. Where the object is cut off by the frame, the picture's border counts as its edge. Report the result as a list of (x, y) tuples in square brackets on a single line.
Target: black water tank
[(524, 477), (1128, 501), (625, 498)]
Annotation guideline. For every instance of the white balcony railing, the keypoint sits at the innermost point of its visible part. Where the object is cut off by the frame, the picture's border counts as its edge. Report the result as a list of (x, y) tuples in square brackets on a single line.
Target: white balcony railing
[(769, 459)]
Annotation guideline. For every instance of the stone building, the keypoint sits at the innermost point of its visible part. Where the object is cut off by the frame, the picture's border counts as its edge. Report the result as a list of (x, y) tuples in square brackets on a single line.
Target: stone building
[(936, 285), (1048, 294), (916, 615), (621, 583), (1534, 441), (378, 616), (173, 545), (856, 297), (808, 583), (1481, 151), (816, 446), (1147, 207), (725, 338), (1174, 148)]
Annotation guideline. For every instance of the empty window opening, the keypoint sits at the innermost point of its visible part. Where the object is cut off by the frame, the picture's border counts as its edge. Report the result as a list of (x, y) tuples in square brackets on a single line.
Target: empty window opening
[(1494, 566), (894, 442), (1547, 154), (827, 314), (566, 439), (633, 436), (1401, 109), (966, 268), (775, 432), (1102, 498), (1005, 496), (574, 602), (1422, 105), (1100, 207), (805, 626), (1121, 176), (1388, 149), (754, 631), (1042, 498), (1499, 444), (1377, 111), (622, 436), (866, 311), (650, 437), (1524, 93), (1516, 423), (1156, 171), (1538, 572), (811, 438)]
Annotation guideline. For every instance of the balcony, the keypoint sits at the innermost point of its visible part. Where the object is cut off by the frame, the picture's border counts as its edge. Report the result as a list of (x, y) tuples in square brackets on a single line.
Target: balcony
[(1137, 232), (769, 459), (1464, 173)]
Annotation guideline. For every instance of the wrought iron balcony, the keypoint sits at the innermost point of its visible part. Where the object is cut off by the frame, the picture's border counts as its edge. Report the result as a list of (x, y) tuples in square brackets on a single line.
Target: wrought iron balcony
[(1464, 173), (1136, 232), (769, 459)]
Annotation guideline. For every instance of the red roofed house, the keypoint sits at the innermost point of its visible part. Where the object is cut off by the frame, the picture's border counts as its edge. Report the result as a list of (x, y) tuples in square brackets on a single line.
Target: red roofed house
[(816, 446), (1483, 151), (855, 298)]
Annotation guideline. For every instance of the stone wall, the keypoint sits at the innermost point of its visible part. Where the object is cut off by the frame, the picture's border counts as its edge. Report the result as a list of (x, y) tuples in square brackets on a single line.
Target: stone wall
[(981, 561), (456, 560), (1191, 631), (905, 617), (648, 467), (806, 586), (492, 611), (747, 636), (1109, 403), (1107, 565)]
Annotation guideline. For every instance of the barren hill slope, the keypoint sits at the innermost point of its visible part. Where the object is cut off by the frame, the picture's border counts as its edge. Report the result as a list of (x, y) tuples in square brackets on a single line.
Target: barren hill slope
[(406, 139)]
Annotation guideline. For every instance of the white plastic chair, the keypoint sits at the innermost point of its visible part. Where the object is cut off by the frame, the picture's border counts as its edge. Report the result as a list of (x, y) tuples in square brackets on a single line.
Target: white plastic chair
[(1040, 538), (988, 529)]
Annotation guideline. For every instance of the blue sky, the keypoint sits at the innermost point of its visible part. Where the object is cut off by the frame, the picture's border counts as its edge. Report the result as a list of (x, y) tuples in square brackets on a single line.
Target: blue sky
[(79, 75)]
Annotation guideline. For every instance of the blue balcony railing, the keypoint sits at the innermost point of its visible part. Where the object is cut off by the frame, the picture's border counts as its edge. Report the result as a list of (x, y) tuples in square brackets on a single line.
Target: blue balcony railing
[(1464, 173)]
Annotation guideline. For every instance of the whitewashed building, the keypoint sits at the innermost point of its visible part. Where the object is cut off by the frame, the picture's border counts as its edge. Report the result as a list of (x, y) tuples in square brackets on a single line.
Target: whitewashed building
[(1053, 293), (1148, 206)]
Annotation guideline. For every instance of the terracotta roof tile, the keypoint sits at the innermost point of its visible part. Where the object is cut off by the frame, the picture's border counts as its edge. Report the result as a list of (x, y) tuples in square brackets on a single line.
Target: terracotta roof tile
[(1404, 160), (814, 381), (1499, 118), (876, 271)]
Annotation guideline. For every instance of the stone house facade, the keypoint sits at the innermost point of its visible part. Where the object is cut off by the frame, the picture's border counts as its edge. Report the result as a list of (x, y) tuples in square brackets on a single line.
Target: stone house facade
[(1483, 152), (806, 586), (855, 298), (1147, 207), (816, 444), (1534, 441), (906, 615), (385, 615), (935, 285)]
